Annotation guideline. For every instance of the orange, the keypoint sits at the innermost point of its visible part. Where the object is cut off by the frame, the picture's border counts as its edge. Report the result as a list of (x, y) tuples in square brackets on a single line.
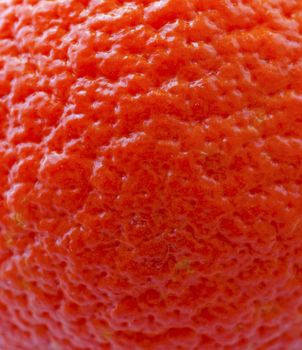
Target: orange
[(151, 175)]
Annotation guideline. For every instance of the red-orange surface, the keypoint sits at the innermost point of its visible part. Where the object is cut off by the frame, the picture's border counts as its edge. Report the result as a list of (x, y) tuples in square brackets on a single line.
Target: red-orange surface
[(151, 175)]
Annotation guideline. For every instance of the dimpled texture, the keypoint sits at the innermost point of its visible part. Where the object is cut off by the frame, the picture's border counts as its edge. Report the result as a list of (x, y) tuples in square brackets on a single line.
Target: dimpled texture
[(150, 175)]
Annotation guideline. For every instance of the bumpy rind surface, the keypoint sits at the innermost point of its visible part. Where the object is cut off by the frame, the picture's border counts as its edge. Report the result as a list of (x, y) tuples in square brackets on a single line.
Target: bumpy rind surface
[(150, 175)]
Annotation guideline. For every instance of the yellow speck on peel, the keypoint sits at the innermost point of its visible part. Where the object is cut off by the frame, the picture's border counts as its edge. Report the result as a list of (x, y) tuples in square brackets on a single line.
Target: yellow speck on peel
[(8, 239), (182, 265), (270, 309), (107, 334), (54, 345), (239, 327), (24, 200), (18, 219), (252, 129), (262, 117), (26, 285)]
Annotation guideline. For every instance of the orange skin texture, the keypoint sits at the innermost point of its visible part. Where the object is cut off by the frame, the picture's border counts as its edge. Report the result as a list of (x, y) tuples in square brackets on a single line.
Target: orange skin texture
[(150, 175)]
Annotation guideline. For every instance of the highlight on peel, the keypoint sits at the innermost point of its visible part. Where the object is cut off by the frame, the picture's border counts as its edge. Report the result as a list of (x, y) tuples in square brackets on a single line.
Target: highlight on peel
[(150, 175)]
